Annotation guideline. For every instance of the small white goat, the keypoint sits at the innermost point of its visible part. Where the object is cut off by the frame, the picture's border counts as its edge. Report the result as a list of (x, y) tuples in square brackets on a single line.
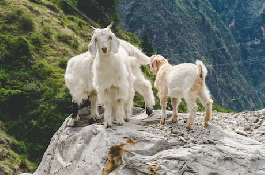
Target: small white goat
[(78, 79), (184, 80), (113, 77), (141, 85)]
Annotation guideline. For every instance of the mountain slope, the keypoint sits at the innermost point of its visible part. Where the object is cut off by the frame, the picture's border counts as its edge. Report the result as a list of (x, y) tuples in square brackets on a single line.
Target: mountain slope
[(246, 21), (12, 158), (184, 31)]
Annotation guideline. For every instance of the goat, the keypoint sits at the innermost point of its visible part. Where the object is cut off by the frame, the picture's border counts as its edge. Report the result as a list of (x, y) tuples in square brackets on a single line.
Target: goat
[(141, 85), (184, 80), (78, 79), (113, 77)]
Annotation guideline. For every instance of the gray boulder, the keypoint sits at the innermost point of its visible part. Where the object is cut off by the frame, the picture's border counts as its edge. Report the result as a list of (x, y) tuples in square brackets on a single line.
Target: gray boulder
[(142, 146)]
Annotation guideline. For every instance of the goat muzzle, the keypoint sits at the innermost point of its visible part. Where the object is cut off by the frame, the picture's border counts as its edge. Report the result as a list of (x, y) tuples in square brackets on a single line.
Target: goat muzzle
[(104, 49)]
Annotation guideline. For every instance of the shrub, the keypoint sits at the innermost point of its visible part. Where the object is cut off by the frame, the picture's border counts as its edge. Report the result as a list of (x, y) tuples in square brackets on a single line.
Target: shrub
[(63, 63), (67, 39), (37, 39), (46, 30), (26, 22), (75, 44)]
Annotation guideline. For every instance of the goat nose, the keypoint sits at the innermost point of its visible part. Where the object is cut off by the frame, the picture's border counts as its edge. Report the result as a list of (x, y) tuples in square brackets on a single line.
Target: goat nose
[(104, 49)]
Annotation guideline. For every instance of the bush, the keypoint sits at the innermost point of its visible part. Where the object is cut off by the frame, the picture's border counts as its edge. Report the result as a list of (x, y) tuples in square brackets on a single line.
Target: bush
[(75, 44), (26, 22), (63, 63), (40, 70), (67, 39), (36, 39), (46, 30)]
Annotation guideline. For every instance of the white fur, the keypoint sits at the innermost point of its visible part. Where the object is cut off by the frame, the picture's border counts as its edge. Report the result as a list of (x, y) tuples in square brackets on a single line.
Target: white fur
[(184, 80), (141, 84), (78, 79), (113, 77)]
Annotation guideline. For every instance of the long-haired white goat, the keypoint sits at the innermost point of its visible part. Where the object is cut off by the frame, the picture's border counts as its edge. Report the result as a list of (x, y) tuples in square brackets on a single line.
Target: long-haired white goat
[(141, 84), (78, 79), (113, 77), (184, 80)]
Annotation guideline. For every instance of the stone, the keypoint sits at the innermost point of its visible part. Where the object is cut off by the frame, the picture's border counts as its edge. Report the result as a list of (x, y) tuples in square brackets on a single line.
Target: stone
[(142, 146)]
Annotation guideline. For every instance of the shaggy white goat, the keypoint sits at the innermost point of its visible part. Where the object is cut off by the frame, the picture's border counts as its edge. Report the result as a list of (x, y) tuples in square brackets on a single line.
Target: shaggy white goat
[(113, 77), (184, 80), (141, 85), (78, 79)]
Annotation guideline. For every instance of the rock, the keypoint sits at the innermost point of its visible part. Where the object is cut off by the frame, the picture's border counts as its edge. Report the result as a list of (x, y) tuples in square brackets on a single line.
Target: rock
[(142, 146)]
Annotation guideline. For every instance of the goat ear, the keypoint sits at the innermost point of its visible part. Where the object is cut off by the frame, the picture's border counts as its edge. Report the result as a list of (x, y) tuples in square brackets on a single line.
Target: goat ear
[(115, 44), (92, 47), (154, 63)]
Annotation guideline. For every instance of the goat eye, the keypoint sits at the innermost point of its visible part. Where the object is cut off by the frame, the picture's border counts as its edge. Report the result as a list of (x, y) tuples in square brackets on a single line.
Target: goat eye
[(110, 38)]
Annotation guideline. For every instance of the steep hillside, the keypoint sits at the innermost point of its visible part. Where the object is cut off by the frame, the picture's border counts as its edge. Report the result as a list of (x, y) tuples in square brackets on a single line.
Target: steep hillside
[(246, 21), (184, 31), (36, 40), (12, 158)]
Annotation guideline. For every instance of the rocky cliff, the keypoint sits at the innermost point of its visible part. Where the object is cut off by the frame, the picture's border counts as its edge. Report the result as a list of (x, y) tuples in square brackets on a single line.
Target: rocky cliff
[(233, 143), (184, 31)]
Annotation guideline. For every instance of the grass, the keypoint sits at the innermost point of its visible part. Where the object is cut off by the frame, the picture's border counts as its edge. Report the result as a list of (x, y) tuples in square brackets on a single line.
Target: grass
[(13, 160)]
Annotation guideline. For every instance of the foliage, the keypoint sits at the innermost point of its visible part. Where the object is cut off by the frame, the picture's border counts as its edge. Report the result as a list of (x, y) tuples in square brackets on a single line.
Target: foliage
[(101, 11), (63, 63), (146, 45), (68, 39), (24, 20)]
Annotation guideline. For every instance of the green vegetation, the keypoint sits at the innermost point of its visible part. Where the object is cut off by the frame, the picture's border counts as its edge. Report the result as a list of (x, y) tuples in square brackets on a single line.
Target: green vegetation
[(13, 155)]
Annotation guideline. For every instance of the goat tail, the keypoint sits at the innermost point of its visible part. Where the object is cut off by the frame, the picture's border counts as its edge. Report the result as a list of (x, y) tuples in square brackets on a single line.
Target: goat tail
[(133, 51), (202, 70)]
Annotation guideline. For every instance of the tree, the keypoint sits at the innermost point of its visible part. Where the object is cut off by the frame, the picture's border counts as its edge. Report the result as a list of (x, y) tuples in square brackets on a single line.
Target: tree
[(101, 11), (147, 46)]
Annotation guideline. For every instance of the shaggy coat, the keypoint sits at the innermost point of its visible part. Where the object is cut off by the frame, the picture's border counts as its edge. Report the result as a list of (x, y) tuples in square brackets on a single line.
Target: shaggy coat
[(141, 84), (113, 77), (78, 79), (184, 80)]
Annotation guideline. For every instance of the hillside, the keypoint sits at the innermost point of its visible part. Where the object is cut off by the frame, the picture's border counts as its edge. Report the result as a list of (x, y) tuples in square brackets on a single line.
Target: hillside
[(12, 155), (246, 21), (184, 31)]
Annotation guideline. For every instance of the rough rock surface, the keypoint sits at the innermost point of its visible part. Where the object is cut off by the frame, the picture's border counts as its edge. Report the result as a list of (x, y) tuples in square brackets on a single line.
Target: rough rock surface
[(233, 144)]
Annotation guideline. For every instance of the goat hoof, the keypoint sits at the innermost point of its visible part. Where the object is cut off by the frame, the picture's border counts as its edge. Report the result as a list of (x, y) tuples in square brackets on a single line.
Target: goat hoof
[(206, 124), (71, 122), (175, 119), (107, 126), (127, 120), (163, 121), (120, 124), (187, 127), (148, 111)]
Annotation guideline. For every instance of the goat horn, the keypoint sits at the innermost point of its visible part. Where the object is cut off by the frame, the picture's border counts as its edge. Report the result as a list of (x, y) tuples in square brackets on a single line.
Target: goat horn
[(93, 27), (110, 26)]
